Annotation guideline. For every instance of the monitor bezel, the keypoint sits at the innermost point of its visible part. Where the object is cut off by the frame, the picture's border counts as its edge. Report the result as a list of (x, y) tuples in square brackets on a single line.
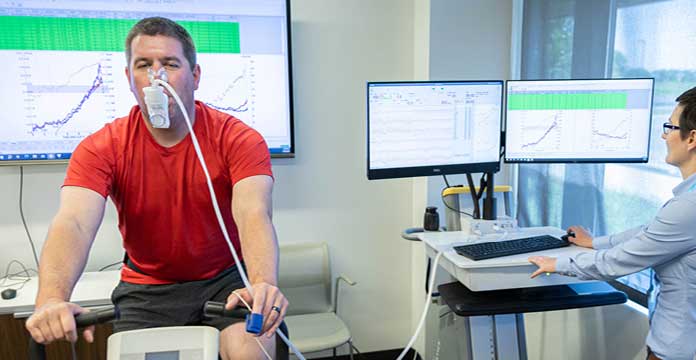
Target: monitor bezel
[(432, 170), (578, 160)]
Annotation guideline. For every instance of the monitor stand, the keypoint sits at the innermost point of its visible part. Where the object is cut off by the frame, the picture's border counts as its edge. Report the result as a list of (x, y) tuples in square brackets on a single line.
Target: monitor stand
[(455, 218), (489, 209)]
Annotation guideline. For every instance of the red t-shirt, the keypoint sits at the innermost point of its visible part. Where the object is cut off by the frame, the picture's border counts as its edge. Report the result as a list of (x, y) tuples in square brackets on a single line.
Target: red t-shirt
[(165, 213)]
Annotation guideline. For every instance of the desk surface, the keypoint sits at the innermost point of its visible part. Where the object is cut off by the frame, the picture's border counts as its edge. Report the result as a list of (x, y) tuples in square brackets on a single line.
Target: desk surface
[(446, 240), (506, 272), (92, 289)]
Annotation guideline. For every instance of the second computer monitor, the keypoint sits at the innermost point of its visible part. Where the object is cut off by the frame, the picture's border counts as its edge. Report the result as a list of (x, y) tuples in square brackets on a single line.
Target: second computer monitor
[(433, 128), (570, 121)]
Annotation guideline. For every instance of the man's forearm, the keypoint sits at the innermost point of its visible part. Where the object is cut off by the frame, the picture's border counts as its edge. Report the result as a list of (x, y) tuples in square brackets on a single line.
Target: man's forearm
[(260, 247), (62, 260)]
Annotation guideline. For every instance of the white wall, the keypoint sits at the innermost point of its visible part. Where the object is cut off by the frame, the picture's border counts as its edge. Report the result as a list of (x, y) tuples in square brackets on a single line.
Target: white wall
[(323, 193), (41, 198)]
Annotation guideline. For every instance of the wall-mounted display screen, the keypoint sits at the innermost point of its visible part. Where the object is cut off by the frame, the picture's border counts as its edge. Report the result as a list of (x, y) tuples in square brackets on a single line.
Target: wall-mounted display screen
[(63, 68)]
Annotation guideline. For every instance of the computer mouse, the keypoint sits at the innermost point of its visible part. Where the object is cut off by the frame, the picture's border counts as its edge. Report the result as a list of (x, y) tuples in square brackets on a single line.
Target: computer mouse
[(569, 234), (8, 294)]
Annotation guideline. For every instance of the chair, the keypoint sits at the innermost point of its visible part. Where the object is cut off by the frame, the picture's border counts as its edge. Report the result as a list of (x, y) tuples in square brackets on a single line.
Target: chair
[(305, 279)]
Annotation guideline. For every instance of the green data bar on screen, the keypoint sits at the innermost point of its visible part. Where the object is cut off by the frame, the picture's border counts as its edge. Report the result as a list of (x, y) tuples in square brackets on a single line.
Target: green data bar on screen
[(93, 34), (580, 101)]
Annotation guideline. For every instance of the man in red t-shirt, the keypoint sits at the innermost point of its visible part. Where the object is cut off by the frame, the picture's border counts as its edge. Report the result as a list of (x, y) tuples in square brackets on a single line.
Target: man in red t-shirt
[(177, 256)]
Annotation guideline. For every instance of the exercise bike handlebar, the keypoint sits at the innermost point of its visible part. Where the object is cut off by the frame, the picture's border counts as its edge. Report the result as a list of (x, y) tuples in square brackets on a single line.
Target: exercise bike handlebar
[(217, 309), (211, 309), (38, 351)]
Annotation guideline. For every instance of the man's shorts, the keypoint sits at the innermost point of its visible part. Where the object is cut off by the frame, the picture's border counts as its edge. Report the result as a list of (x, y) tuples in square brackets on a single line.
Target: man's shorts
[(147, 306)]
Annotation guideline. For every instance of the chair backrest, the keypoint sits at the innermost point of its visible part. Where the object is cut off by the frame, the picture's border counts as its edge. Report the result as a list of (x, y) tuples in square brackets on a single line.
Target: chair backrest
[(305, 277)]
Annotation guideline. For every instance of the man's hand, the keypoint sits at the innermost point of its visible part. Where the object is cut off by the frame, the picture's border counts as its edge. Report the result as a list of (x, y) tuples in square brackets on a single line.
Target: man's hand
[(546, 265), (55, 320), (582, 236), (267, 300)]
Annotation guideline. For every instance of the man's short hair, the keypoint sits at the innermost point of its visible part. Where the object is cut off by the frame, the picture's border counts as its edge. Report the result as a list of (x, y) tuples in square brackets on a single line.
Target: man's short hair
[(687, 120), (162, 26)]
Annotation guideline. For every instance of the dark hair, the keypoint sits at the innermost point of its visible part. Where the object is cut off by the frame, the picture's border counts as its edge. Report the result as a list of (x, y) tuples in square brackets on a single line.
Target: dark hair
[(162, 26), (687, 120)]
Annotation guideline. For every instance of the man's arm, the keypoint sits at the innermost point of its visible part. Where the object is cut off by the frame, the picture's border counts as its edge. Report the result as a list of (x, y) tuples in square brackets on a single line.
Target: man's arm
[(63, 258), (252, 210)]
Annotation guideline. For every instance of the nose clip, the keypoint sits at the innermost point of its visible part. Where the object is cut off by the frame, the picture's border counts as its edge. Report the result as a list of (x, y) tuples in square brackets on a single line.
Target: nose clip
[(152, 75)]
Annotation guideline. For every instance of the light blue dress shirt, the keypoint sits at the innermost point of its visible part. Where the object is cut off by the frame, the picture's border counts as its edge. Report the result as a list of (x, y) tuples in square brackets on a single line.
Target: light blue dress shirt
[(668, 246)]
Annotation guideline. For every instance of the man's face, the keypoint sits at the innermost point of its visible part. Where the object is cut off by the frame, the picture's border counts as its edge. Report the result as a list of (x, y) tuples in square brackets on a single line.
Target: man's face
[(677, 148), (162, 52)]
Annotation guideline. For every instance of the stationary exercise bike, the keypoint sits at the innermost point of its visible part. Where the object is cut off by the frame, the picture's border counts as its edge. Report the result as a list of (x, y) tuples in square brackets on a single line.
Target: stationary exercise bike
[(164, 343)]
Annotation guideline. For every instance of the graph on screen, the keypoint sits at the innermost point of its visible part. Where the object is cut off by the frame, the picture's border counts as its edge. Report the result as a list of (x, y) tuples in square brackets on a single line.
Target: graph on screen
[(64, 69), (578, 120)]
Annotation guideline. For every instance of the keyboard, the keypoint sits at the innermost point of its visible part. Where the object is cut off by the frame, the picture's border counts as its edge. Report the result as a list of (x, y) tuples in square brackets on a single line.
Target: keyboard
[(488, 250)]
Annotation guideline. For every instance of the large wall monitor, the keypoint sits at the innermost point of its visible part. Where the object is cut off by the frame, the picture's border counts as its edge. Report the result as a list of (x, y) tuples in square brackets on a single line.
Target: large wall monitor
[(63, 68), (433, 128), (578, 121)]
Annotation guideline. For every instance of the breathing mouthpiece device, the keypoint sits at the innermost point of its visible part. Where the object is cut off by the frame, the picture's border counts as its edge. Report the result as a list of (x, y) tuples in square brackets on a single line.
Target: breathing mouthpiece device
[(156, 100)]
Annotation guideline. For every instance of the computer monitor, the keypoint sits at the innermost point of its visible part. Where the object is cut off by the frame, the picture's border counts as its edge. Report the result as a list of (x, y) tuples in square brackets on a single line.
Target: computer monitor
[(425, 128), (578, 121), (63, 69)]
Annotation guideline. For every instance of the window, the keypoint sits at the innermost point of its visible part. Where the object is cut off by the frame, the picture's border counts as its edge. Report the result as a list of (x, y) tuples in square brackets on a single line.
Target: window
[(653, 39), (596, 39)]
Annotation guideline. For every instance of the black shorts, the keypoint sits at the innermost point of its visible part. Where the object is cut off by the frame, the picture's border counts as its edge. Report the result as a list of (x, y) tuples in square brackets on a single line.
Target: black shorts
[(147, 306)]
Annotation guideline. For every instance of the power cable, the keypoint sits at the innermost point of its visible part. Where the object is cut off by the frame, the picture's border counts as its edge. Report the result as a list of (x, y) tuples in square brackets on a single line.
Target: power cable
[(21, 213)]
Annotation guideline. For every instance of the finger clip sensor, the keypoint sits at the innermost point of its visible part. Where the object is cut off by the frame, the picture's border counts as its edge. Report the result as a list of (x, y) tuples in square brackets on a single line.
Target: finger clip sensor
[(254, 323)]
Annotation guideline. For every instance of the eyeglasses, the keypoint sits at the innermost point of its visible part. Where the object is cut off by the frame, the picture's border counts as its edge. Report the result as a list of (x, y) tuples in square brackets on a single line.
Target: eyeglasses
[(668, 127)]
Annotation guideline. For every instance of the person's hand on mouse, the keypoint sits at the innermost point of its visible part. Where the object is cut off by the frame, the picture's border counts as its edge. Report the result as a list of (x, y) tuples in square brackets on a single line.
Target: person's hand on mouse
[(582, 236)]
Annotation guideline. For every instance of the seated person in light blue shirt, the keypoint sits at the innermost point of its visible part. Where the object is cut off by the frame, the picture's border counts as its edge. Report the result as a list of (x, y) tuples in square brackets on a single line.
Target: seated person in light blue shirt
[(667, 245)]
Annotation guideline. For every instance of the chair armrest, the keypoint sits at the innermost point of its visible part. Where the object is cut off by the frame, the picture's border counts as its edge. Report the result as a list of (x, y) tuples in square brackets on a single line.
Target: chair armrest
[(348, 281)]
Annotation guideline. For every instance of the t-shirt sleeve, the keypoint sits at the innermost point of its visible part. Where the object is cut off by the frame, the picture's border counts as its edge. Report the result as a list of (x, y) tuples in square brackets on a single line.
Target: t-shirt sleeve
[(247, 153), (92, 164)]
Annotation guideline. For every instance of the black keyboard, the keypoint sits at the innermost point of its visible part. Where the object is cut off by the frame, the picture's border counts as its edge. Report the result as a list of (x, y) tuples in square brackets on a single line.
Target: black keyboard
[(488, 250)]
